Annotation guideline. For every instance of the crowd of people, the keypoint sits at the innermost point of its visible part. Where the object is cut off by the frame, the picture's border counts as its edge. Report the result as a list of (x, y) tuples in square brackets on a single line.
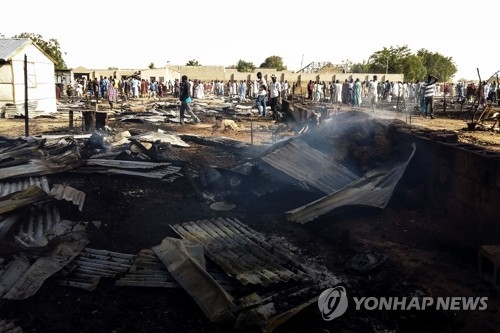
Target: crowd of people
[(350, 92)]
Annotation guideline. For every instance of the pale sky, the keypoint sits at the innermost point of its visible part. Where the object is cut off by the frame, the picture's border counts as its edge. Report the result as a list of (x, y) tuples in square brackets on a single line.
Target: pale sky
[(128, 35)]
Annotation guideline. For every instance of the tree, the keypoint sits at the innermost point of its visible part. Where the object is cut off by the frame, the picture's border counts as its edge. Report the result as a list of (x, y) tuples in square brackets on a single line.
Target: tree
[(346, 66), (151, 65), (193, 63), (438, 65), (244, 66), (274, 62), (413, 68), (363, 67), (389, 60), (50, 47)]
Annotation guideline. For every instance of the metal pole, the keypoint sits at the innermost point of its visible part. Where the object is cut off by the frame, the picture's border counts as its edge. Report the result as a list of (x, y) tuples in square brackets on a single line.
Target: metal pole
[(26, 115)]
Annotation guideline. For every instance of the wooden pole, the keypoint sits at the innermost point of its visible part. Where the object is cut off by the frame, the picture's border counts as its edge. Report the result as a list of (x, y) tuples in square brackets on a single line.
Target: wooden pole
[(26, 110), (251, 130)]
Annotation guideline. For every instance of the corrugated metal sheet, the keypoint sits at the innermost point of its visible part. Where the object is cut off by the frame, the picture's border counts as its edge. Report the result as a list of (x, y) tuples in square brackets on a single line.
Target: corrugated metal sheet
[(147, 271), (9, 47), (186, 262), (165, 171), (306, 164), (374, 189), (42, 219), (174, 140), (91, 265), (242, 252), (16, 186), (215, 141), (35, 167), (68, 193), (125, 164), (22, 277)]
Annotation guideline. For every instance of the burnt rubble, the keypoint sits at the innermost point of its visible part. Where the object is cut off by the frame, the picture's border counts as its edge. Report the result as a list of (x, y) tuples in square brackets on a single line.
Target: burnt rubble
[(69, 203)]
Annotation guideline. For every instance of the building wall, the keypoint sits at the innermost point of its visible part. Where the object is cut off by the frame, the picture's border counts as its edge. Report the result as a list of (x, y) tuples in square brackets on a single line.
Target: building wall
[(214, 73), (41, 81), (462, 180)]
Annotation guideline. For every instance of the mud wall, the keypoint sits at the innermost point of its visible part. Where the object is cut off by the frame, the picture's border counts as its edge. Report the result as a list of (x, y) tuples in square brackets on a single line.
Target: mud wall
[(460, 179)]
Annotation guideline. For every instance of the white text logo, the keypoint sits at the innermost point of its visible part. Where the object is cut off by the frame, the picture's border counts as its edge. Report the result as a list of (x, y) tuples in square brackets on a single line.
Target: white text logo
[(332, 303)]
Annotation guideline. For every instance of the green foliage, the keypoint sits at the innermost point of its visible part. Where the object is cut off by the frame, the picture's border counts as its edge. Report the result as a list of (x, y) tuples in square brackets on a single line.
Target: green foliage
[(151, 65), (437, 65), (244, 66), (50, 47), (274, 62), (364, 67), (193, 62), (414, 67)]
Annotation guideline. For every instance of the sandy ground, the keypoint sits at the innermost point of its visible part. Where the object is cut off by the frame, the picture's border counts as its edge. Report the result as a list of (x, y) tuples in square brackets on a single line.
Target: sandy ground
[(261, 128)]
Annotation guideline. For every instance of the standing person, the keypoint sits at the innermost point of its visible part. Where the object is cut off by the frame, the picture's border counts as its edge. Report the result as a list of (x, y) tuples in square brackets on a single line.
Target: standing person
[(338, 92), (373, 93), (274, 95), (176, 88), (284, 90), (79, 89), (96, 84), (429, 92), (310, 89), (346, 94), (260, 101), (184, 96), (243, 90), (332, 91), (104, 86), (112, 92), (356, 92)]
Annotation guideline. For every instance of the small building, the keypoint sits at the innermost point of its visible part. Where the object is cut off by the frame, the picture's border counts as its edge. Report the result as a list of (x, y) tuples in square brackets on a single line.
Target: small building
[(41, 88)]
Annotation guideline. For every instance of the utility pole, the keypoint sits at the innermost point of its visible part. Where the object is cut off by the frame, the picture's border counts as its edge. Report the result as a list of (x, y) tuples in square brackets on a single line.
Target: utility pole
[(386, 65)]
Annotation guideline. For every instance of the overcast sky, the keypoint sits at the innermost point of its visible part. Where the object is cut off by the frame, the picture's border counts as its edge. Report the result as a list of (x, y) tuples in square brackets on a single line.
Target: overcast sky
[(123, 34)]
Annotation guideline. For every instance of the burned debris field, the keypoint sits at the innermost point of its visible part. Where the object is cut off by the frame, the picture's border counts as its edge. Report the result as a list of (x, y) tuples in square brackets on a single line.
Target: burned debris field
[(178, 232)]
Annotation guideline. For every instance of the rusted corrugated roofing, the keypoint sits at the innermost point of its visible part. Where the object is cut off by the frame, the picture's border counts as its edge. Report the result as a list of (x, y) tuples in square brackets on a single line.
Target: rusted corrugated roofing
[(374, 189), (306, 164), (242, 252)]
